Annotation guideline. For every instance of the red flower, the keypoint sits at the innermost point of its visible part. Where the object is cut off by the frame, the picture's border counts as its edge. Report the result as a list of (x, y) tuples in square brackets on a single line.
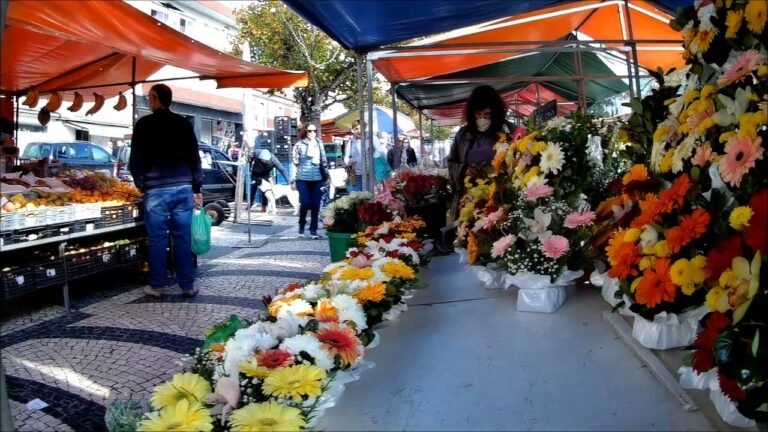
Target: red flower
[(656, 286), (756, 233), (730, 388), (675, 194), (703, 359), (691, 227), (374, 213), (721, 256), (273, 359)]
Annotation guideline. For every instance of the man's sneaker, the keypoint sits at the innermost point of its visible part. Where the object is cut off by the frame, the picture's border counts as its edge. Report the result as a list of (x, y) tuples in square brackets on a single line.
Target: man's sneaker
[(191, 293), (315, 236), (302, 235), (148, 290)]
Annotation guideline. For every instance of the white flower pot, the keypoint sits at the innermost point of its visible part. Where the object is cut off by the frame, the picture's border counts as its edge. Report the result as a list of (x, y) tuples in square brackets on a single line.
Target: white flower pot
[(668, 331)]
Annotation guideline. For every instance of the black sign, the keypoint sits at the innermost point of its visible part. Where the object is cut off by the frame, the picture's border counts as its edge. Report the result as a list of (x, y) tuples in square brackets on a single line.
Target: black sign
[(545, 112)]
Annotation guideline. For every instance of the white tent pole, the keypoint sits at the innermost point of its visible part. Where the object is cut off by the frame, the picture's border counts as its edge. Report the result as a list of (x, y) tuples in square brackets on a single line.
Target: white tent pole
[(361, 107), (370, 180)]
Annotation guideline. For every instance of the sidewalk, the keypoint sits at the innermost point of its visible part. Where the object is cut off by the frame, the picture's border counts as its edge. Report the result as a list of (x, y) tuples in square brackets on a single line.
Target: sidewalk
[(463, 358)]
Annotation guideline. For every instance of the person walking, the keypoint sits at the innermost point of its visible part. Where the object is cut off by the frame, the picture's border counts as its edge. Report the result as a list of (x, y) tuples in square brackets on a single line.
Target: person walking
[(410, 153), (395, 155), (165, 165), (353, 158), (261, 170), (310, 171)]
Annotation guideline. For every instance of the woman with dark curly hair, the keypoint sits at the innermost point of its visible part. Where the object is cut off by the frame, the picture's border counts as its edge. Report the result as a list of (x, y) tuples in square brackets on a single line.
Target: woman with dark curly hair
[(485, 115)]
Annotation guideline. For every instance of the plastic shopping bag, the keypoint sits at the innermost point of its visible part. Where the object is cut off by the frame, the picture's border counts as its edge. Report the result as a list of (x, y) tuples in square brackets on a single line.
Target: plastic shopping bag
[(201, 232)]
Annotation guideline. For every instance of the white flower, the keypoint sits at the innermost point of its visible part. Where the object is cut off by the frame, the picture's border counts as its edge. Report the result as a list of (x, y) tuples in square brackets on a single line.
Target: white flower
[(296, 307), (330, 267), (560, 123), (552, 159), (537, 227), (537, 180), (350, 310), (310, 345), (313, 291), (395, 312), (285, 327), (682, 152), (242, 346), (733, 108), (649, 237)]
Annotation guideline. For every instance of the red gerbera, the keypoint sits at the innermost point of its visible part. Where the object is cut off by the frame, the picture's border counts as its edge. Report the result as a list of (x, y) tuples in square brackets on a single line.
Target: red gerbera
[(656, 286), (756, 233), (730, 387), (675, 194), (691, 227), (649, 212), (721, 256), (273, 359), (340, 340), (703, 359)]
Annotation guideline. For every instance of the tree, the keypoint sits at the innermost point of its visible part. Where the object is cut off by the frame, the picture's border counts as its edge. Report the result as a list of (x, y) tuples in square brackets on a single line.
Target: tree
[(279, 38)]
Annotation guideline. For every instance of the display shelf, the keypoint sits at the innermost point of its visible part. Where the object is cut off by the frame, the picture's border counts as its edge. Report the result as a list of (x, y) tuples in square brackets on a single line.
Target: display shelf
[(65, 237)]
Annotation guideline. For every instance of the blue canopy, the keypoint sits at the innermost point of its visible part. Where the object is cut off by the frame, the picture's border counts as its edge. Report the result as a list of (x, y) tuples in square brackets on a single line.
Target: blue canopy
[(363, 25)]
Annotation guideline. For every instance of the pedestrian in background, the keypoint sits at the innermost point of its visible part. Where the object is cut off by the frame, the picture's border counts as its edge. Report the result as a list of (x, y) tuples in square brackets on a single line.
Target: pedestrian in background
[(353, 158), (261, 170), (410, 153), (165, 165), (310, 170)]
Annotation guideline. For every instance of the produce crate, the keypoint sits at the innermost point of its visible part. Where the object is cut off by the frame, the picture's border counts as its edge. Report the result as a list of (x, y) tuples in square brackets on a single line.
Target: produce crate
[(87, 211), (81, 264), (106, 257), (9, 221), (133, 212), (132, 252), (31, 218), (111, 216), (17, 281), (49, 273), (58, 215)]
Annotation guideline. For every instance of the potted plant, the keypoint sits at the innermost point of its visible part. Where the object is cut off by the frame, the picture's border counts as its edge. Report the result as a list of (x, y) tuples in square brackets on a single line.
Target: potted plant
[(341, 220)]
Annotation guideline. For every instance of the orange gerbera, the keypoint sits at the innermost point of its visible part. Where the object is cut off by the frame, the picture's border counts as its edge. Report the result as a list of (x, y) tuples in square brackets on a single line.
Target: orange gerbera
[(691, 227), (340, 340), (623, 256), (374, 292), (273, 359), (606, 207), (472, 249), (325, 311), (638, 172), (656, 286), (675, 194), (650, 211)]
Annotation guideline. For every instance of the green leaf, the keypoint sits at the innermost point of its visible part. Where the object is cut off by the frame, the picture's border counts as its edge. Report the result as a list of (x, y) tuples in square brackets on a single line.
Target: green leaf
[(756, 343), (223, 331), (636, 105)]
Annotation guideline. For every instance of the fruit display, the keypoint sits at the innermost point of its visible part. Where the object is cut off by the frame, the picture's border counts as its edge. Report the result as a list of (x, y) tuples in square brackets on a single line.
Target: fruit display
[(122, 102), (44, 200), (97, 187), (77, 103), (97, 104)]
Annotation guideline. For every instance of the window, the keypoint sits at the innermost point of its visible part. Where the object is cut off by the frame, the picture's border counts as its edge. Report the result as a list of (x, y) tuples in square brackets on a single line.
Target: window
[(32, 151), (160, 15), (184, 25), (206, 159), (82, 151), (100, 155), (65, 152)]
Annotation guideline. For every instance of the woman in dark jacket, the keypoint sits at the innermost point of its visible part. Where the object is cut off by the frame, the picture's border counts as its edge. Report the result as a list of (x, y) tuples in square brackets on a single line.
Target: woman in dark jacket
[(484, 117), (261, 169)]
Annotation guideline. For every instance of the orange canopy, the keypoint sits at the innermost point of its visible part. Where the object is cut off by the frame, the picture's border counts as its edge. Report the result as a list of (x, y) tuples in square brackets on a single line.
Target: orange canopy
[(597, 19), (58, 45)]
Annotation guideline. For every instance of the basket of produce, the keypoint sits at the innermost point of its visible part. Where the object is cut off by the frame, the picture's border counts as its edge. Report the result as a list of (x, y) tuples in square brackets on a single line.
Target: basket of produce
[(17, 281)]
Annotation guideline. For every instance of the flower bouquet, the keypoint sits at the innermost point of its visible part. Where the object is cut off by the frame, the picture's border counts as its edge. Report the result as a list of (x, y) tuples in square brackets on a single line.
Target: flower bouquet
[(424, 195), (342, 219)]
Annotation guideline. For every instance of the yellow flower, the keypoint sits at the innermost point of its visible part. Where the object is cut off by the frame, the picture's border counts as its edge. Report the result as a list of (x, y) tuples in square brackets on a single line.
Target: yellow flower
[(637, 172), (252, 369), (398, 269), (325, 311), (354, 273), (713, 298), (727, 278), (709, 90), (374, 292), (733, 22), (725, 136), (466, 212), (740, 217), (756, 13), (635, 283), (631, 235), (666, 162), (749, 123), (762, 71), (690, 95), (183, 416), (533, 172), (538, 147), (742, 283), (647, 263), (186, 386), (295, 382), (661, 249), (687, 274), (472, 249), (267, 417)]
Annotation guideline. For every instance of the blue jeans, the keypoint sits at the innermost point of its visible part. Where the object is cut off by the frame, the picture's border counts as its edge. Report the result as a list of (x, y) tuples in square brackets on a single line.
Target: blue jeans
[(358, 186), (309, 200), (169, 209)]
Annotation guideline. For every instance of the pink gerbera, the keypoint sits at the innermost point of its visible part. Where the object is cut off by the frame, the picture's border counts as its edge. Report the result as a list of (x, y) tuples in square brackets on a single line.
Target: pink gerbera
[(739, 67), (501, 245), (740, 156), (554, 246), (494, 218), (703, 155), (576, 219), (534, 192)]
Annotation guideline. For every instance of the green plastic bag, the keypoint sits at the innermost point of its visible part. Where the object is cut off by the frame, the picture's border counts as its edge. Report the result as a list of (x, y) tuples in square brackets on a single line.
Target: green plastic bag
[(201, 232)]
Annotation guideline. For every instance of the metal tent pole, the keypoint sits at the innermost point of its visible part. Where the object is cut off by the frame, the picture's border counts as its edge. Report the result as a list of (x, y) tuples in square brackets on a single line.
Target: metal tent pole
[(421, 138), (632, 44), (369, 159), (394, 113), (361, 108), (580, 77), (133, 89)]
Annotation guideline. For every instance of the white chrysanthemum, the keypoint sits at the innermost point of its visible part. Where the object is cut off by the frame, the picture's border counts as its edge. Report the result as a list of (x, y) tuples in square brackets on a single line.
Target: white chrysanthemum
[(395, 312), (552, 159), (310, 345), (285, 327), (559, 123), (296, 307), (242, 346), (350, 310), (683, 152), (355, 286), (330, 267), (313, 291)]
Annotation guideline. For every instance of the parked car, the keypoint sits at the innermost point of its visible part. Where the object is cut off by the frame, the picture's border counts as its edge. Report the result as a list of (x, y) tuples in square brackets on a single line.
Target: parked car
[(82, 155)]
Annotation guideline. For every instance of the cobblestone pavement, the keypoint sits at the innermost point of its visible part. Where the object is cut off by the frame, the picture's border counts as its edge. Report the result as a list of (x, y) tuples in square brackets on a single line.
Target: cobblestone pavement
[(118, 344)]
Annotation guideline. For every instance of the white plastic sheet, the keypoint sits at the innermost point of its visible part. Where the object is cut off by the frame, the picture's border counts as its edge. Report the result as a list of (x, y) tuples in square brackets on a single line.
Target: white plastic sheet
[(726, 408), (608, 286), (462, 255), (691, 380), (668, 330), (331, 397), (538, 294)]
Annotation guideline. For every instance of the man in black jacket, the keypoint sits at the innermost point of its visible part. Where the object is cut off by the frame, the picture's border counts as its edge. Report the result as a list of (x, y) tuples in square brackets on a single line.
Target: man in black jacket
[(165, 165), (261, 169)]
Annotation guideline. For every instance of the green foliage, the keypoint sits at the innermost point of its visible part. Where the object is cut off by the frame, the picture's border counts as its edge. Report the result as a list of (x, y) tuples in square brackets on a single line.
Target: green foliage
[(123, 416), (280, 38), (223, 331)]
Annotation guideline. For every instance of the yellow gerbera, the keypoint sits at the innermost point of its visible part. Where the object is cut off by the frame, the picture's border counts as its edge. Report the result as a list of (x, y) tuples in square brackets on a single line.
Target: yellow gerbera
[(750, 123), (756, 14), (398, 269), (184, 416), (538, 147), (740, 217), (733, 21), (252, 369), (354, 273), (267, 417), (374, 292), (185, 386), (295, 382)]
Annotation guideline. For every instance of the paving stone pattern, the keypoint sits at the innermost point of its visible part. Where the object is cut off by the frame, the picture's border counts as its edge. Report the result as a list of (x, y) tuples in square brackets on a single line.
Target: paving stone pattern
[(118, 344)]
